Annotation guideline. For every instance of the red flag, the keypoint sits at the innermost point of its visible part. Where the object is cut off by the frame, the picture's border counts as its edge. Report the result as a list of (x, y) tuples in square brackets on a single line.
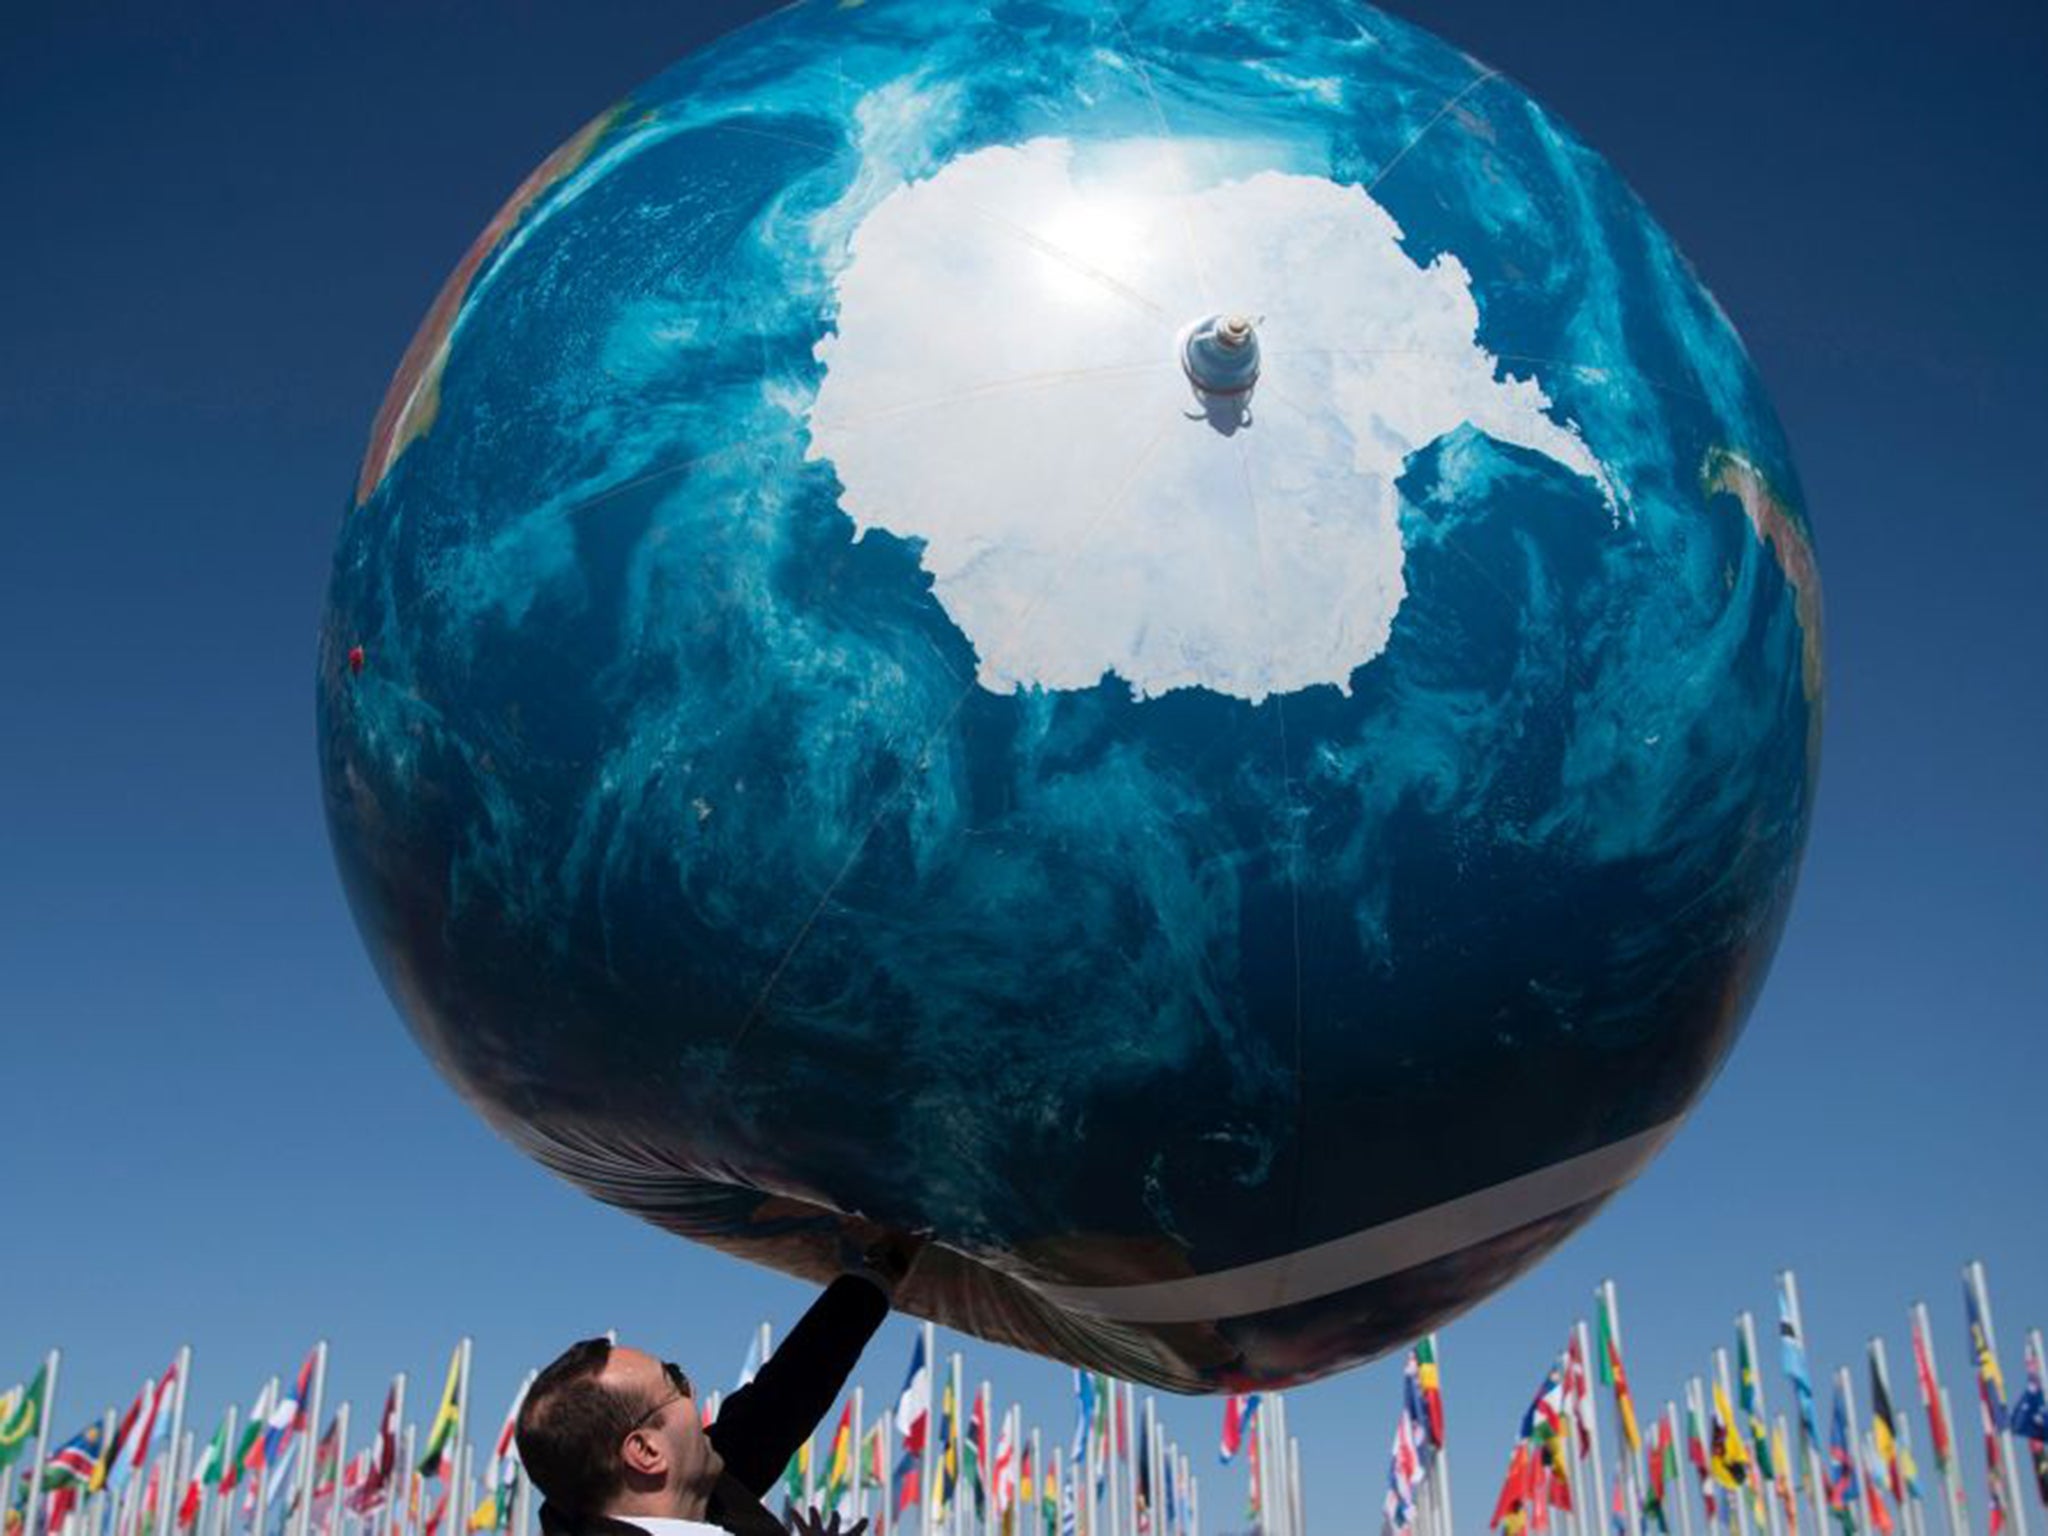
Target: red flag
[(1514, 1492)]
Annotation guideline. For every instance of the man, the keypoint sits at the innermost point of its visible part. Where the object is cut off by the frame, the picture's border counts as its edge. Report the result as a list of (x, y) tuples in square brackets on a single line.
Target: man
[(615, 1439)]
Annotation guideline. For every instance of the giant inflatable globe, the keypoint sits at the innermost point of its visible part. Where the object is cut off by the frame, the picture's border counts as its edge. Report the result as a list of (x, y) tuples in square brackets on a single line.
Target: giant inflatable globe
[(1167, 639)]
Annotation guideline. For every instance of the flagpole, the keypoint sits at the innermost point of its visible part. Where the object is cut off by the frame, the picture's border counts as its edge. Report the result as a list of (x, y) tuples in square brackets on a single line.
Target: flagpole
[(1973, 1276), (1744, 1493), (1789, 1284), (401, 1468), (1585, 1343), (1127, 1427), (1847, 1387), (1960, 1517), (403, 1472), (2033, 1367), (1624, 1450), (303, 1524), (339, 1497), (1675, 1489), (1745, 1323), (458, 1505), (47, 1412), (931, 1431), (1902, 1441), (1955, 1512), (181, 1456)]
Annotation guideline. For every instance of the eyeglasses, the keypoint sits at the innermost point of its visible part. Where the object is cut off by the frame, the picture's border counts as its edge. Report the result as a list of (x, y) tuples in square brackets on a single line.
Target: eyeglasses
[(676, 1379)]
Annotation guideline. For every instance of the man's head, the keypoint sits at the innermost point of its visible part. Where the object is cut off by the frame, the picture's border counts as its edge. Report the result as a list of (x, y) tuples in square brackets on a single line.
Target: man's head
[(611, 1431)]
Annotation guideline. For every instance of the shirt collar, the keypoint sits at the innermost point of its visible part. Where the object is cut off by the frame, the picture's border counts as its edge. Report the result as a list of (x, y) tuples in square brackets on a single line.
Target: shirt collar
[(663, 1525)]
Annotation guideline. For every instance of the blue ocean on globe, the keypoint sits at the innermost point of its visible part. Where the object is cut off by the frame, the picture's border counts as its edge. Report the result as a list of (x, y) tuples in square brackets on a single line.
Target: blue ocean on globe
[(1169, 640)]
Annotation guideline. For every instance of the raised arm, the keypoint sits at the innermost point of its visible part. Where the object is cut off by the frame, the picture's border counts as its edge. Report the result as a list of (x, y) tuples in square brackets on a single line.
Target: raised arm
[(761, 1425)]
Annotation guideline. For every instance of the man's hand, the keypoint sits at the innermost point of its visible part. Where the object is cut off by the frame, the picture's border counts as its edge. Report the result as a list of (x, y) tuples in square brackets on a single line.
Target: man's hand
[(813, 1522), (885, 1259), (891, 1256)]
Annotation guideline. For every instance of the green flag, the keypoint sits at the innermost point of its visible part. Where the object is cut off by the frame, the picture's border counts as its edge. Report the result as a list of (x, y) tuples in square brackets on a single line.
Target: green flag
[(21, 1411)]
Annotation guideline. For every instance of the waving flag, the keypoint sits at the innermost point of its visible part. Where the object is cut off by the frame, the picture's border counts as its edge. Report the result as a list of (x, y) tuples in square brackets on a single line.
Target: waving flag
[(1727, 1458), (839, 1461), (1663, 1467), (212, 1464), (1238, 1412), (1883, 1434), (1429, 1379), (126, 1451), (1752, 1403), (447, 1419), (1990, 1380), (21, 1412), (1844, 1490), (1930, 1393), (1578, 1393), (1792, 1360), (1608, 1358), (1415, 1405), (1403, 1472), (79, 1462), (288, 1413)]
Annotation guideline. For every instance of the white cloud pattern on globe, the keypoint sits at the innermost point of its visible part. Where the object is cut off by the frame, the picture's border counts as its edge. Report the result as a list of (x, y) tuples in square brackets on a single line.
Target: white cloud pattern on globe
[(1004, 386)]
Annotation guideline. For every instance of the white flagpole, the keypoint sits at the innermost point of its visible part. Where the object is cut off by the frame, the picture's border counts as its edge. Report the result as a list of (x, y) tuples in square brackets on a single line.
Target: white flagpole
[(1742, 1494), (1910, 1512), (1084, 1500), (1973, 1276), (1819, 1488), (1625, 1453), (302, 1524), (1746, 1325), (180, 1454), (854, 1448), (1294, 1485), (1127, 1421), (1674, 1491), (42, 1453), (337, 1503), (1037, 1515), (458, 1503), (213, 1512), (1955, 1512), (396, 1484), (1113, 1518), (1592, 1374), (1847, 1387), (1443, 1454), (402, 1474), (926, 1466), (269, 1400)]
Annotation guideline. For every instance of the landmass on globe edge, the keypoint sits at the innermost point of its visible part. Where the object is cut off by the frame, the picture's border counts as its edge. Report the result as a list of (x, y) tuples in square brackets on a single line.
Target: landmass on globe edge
[(822, 727)]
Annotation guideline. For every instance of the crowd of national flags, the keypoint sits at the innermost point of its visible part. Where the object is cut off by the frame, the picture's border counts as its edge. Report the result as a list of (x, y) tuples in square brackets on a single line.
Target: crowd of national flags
[(1717, 1447), (262, 1472), (942, 1462)]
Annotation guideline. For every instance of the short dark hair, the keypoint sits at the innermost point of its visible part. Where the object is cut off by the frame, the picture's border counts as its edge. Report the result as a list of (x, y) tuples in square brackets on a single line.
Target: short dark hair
[(570, 1428)]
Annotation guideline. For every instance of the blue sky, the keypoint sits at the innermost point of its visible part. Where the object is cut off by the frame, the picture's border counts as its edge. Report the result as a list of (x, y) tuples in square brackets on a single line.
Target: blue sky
[(221, 231)]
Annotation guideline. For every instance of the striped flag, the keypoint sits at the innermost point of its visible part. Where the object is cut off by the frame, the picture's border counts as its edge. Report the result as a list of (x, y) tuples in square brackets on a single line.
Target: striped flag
[(79, 1462), (441, 1433), (1607, 1352)]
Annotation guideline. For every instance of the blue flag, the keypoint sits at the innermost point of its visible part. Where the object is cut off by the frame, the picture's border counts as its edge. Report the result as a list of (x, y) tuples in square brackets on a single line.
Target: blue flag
[(2029, 1413), (1792, 1356)]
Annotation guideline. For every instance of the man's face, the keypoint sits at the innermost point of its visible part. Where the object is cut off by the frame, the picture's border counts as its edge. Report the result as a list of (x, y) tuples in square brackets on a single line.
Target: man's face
[(669, 1445)]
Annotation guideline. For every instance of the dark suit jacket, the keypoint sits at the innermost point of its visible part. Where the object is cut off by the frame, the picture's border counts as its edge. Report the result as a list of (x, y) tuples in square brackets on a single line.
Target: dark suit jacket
[(761, 1425)]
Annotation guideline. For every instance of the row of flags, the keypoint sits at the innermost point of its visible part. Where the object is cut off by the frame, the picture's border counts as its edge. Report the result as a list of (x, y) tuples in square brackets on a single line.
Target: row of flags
[(1754, 1475), (943, 1462), (260, 1473)]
